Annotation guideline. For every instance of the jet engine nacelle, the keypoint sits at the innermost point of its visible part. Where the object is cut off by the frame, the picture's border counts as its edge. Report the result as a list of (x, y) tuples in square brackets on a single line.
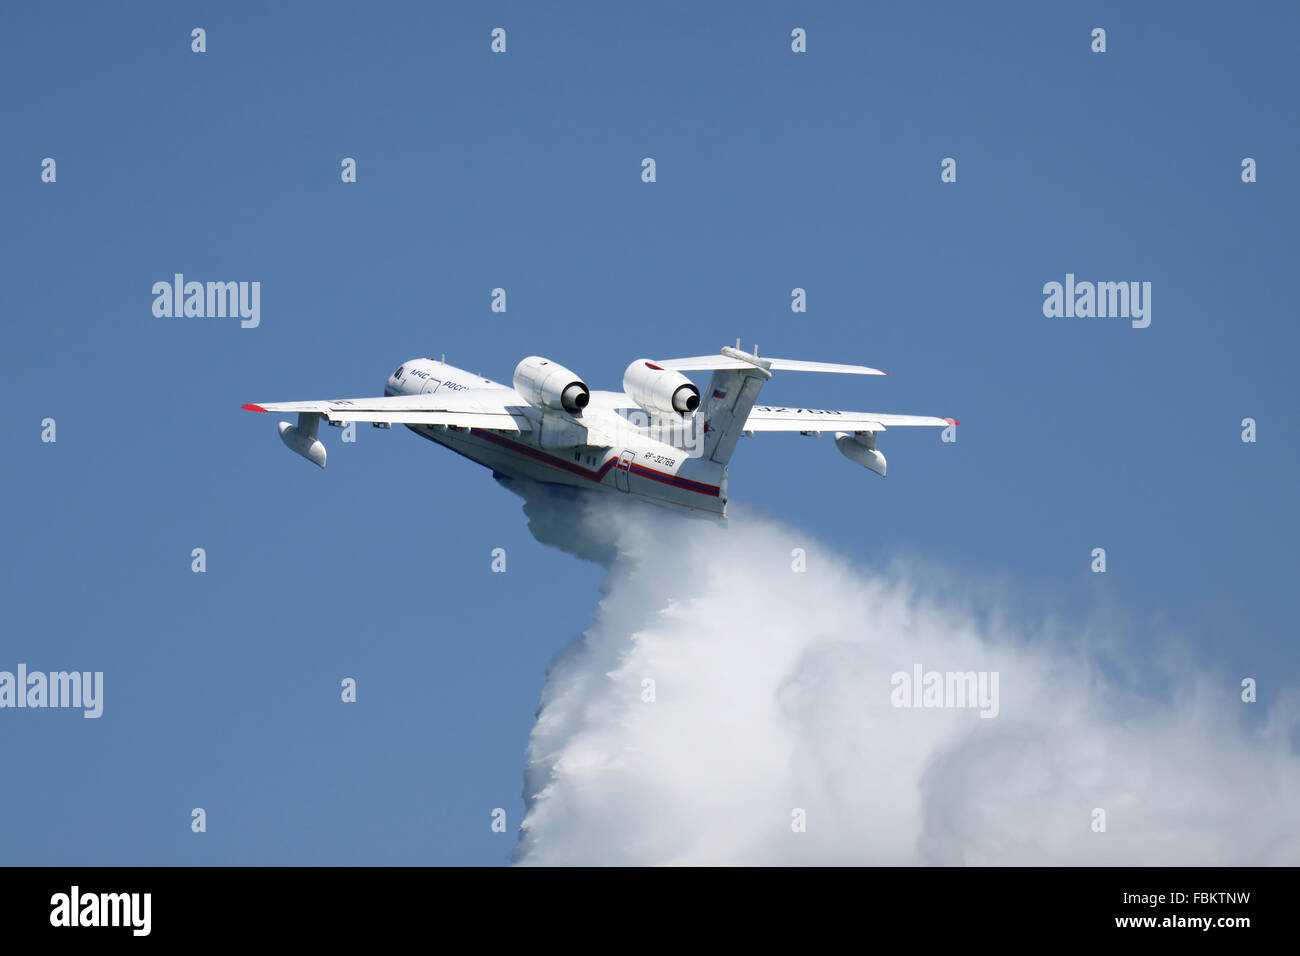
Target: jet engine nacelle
[(861, 448), (301, 438), (547, 385), (658, 389)]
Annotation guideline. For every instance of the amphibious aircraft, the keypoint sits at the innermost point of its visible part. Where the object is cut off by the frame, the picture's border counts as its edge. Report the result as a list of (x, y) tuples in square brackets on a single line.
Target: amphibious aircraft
[(661, 439)]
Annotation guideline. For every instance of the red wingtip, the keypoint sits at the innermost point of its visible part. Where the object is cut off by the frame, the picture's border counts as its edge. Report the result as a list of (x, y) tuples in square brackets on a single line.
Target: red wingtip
[(252, 408), (952, 421)]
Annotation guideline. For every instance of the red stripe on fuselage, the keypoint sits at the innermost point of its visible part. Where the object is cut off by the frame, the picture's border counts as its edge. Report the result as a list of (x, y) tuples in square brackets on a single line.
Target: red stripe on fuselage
[(596, 476), (543, 457), (685, 483)]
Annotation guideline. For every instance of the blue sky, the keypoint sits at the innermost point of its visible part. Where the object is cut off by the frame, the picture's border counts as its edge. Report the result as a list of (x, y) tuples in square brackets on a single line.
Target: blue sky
[(522, 170)]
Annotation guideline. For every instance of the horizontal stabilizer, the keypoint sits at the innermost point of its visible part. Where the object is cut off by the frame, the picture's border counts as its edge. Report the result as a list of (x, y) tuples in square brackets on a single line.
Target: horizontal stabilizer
[(767, 418), (730, 358)]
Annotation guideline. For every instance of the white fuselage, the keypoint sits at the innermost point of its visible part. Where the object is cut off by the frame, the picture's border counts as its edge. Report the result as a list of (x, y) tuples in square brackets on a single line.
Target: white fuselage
[(611, 445)]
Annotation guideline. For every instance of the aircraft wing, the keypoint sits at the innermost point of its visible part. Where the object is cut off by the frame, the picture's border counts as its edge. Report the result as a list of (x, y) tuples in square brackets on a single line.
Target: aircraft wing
[(470, 409), (768, 418)]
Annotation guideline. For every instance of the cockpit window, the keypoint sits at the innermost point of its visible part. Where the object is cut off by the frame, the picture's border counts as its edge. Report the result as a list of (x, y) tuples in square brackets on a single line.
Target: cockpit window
[(398, 373)]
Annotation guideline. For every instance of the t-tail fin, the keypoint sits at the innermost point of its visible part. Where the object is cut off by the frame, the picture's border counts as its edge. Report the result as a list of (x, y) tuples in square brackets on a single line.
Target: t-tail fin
[(726, 405)]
